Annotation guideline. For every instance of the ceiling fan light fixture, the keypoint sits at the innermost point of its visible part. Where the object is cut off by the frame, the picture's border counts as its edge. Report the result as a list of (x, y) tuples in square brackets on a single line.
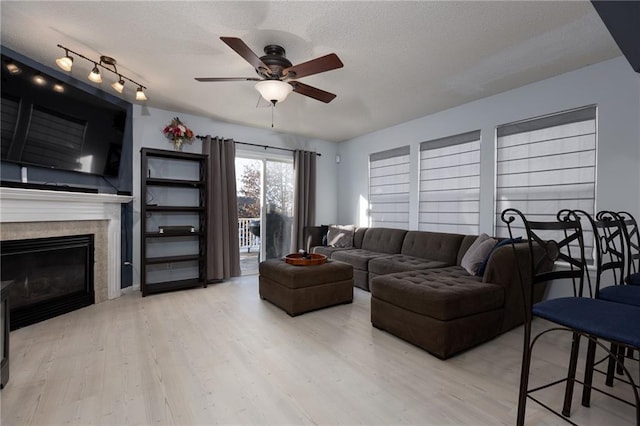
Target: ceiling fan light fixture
[(274, 90)]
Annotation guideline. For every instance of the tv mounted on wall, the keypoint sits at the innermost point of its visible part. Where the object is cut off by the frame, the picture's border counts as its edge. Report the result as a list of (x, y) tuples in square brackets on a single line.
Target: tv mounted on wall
[(50, 124)]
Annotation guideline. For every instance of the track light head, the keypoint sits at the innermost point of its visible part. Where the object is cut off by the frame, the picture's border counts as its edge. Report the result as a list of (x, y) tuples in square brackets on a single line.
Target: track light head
[(65, 62), (118, 86), (140, 96), (95, 75)]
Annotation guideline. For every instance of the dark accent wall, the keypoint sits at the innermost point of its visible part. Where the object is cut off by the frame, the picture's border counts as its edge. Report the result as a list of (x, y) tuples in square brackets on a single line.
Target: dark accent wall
[(622, 19), (122, 184)]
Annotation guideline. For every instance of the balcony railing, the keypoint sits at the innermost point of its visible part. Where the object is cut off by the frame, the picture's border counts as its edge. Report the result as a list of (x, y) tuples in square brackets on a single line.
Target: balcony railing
[(246, 238)]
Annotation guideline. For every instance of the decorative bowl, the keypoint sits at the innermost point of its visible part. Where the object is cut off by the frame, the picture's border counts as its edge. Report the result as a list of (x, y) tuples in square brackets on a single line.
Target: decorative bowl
[(302, 260)]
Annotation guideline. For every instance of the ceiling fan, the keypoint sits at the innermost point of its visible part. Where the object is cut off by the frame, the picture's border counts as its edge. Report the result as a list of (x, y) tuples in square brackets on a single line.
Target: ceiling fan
[(278, 77)]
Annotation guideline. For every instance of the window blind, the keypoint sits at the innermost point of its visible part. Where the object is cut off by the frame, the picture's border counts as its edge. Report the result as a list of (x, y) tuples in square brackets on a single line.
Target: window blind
[(450, 184), (547, 164), (389, 188)]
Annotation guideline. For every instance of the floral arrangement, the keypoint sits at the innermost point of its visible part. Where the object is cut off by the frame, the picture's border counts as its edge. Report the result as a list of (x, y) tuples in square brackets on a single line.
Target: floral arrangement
[(177, 132)]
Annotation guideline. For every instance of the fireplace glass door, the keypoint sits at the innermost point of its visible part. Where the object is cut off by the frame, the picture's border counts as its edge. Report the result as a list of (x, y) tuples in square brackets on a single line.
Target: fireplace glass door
[(50, 276)]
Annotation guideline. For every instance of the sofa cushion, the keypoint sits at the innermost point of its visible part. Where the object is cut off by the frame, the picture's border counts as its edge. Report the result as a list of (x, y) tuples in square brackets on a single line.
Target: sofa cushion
[(340, 236), (480, 249), (358, 236), (327, 250), (358, 258), (383, 240), (432, 245), (400, 263), (442, 293)]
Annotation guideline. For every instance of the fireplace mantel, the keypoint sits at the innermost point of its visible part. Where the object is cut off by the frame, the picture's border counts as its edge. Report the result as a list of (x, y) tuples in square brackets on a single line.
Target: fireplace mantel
[(32, 205)]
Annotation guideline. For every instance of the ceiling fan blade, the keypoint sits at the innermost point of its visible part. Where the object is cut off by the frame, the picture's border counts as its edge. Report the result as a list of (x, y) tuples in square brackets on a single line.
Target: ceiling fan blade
[(314, 66), (243, 50), (312, 92), (207, 79)]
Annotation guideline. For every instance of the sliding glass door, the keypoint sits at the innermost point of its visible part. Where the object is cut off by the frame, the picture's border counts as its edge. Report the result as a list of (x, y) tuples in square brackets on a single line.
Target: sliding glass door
[(265, 208)]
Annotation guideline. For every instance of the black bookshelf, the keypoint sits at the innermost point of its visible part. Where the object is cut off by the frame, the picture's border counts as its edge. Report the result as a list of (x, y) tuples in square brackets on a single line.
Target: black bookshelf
[(160, 212)]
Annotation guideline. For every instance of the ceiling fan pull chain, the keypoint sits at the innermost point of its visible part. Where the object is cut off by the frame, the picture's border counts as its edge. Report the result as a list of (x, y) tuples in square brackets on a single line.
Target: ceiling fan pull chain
[(273, 106)]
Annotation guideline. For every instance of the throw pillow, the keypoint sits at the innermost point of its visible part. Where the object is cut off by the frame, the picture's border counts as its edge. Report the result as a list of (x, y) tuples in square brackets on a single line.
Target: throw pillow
[(504, 242), (340, 236), (474, 256), (634, 279)]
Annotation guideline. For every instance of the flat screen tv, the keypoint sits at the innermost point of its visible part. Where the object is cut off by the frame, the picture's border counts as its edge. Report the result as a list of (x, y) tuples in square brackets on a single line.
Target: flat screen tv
[(51, 124)]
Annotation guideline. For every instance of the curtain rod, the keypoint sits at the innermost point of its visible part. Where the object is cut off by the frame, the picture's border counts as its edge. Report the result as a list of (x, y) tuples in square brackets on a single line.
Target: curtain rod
[(260, 146)]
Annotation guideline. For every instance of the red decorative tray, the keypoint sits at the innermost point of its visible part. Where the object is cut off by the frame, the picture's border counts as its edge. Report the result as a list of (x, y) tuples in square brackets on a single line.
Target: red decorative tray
[(311, 259)]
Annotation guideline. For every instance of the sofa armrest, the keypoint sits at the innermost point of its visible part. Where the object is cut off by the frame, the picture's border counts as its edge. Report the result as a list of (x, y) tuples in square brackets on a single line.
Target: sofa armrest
[(313, 236), (501, 270), (501, 266)]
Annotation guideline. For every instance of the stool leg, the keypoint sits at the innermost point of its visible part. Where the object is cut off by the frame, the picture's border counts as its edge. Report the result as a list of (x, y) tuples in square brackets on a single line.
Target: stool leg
[(588, 374), (611, 364), (524, 375), (571, 375)]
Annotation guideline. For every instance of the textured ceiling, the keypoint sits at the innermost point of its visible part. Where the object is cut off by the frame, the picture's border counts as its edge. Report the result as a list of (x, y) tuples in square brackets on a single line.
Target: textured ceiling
[(402, 60)]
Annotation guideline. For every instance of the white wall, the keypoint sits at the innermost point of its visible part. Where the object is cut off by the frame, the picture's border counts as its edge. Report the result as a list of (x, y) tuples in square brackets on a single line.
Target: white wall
[(147, 132), (611, 85)]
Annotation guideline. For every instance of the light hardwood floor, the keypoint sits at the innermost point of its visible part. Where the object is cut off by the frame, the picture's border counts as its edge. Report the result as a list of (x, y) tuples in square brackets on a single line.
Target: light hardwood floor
[(221, 355)]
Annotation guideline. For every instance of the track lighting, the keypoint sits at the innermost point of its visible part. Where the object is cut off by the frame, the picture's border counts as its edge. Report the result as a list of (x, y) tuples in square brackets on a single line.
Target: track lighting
[(140, 96), (118, 86), (66, 62), (94, 75)]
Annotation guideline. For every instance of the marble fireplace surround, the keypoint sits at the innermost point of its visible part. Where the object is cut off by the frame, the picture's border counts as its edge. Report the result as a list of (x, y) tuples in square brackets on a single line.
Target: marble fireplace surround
[(30, 213)]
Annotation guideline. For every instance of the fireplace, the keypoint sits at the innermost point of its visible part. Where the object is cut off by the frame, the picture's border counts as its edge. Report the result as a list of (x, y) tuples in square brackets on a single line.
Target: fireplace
[(50, 276), (28, 214)]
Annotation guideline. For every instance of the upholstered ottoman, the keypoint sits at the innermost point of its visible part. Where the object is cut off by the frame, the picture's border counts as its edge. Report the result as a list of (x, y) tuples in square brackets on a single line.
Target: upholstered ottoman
[(300, 289), (442, 310)]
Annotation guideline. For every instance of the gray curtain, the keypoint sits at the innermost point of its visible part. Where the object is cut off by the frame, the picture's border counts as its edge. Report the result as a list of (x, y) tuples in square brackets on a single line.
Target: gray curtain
[(223, 250), (304, 196)]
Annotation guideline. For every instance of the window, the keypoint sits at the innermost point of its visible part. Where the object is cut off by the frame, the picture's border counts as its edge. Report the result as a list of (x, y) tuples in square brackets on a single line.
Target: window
[(450, 184), (547, 164), (389, 188)]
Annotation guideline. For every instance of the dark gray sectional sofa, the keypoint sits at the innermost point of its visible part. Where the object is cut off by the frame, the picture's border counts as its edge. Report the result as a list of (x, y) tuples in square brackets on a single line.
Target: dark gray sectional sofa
[(422, 294)]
